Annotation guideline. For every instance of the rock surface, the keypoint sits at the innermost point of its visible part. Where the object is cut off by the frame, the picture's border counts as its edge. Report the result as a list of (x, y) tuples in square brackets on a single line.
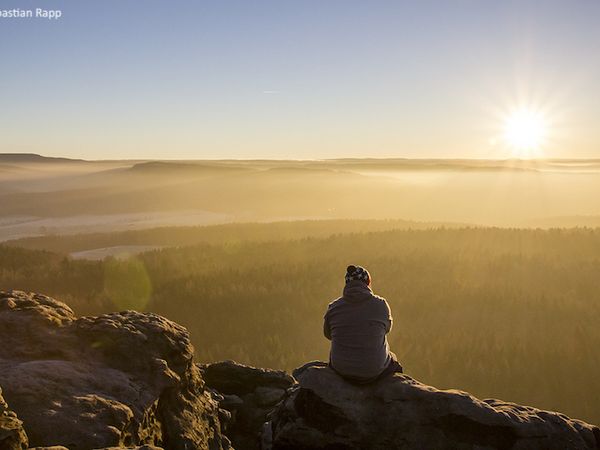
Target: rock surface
[(118, 380), (12, 434), (249, 394), (325, 412)]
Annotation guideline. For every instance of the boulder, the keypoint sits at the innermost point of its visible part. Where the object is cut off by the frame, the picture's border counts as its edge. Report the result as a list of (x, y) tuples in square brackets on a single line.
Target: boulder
[(229, 377), (12, 434), (118, 380), (326, 412), (249, 394)]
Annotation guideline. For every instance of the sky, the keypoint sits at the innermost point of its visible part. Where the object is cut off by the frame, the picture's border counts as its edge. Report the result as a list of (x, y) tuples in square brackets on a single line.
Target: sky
[(306, 79)]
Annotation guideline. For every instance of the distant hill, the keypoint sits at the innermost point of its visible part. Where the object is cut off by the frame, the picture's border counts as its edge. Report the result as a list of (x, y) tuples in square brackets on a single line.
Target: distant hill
[(488, 165), (162, 167), (32, 158)]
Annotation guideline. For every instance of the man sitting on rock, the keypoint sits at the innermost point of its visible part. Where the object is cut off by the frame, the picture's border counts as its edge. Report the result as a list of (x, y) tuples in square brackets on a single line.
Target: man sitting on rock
[(357, 324)]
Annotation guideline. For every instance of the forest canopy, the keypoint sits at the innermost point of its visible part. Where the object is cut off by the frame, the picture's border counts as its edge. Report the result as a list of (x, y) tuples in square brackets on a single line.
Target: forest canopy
[(506, 313)]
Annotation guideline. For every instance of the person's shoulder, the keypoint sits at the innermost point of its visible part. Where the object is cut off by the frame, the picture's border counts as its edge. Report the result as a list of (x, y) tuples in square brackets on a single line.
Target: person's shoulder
[(335, 302), (379, 298), (381, 301)]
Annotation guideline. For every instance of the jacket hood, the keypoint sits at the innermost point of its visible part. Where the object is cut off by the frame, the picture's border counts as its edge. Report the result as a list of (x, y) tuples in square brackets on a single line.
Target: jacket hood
[(356, 291)]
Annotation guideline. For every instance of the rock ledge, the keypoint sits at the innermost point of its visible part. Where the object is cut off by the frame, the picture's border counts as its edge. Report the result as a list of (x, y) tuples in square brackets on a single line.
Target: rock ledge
[(117, 380), (325, 412)]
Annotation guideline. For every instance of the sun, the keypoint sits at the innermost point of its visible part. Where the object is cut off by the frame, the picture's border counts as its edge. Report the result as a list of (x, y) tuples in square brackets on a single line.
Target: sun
[(525, 131)]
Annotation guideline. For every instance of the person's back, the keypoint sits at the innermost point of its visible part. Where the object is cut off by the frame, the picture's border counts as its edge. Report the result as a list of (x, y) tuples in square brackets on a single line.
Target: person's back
[(357, 324)]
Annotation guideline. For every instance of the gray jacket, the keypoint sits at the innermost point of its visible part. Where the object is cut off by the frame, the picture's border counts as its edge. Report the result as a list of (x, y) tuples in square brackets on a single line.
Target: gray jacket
[(357, 324)]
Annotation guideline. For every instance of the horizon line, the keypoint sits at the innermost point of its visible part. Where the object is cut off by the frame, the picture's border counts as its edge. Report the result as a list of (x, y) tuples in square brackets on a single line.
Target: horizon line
[(383, 158)]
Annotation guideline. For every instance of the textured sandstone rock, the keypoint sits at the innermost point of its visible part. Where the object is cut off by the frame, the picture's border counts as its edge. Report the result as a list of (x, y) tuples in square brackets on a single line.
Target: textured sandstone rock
[(12, 434), (118, 380), (229, 377), (249, 394), (324, 411)]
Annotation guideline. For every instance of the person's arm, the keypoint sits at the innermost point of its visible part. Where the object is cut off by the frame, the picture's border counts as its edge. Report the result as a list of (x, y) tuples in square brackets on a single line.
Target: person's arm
[(326, 327), (390, 319)]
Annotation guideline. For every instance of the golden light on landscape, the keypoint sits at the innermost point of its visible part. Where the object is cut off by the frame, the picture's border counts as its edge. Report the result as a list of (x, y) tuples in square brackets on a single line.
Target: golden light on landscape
[(127, 283), (525, 131)]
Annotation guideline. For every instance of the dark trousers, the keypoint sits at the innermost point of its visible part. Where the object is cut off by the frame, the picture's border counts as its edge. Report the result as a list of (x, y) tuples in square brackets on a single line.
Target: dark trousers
[(393, 367)]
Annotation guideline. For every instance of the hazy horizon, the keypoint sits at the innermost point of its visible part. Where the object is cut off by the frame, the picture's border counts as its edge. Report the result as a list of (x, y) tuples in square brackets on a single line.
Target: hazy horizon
[(339, 158), (42, 196)]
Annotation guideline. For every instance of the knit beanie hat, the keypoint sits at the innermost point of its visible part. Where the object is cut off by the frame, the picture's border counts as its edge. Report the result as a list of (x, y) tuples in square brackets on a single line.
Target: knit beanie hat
[(357, 273)]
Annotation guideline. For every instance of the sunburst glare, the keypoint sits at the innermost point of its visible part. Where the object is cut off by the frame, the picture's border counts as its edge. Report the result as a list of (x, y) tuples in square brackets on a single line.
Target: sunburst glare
[(525, 131)]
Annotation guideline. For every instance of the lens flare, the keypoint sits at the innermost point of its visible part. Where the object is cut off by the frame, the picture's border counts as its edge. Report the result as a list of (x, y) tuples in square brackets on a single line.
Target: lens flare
[(127, 283)]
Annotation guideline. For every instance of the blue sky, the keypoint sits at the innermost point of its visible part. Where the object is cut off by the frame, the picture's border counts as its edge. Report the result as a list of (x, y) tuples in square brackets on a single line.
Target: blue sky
[(302, 79)]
